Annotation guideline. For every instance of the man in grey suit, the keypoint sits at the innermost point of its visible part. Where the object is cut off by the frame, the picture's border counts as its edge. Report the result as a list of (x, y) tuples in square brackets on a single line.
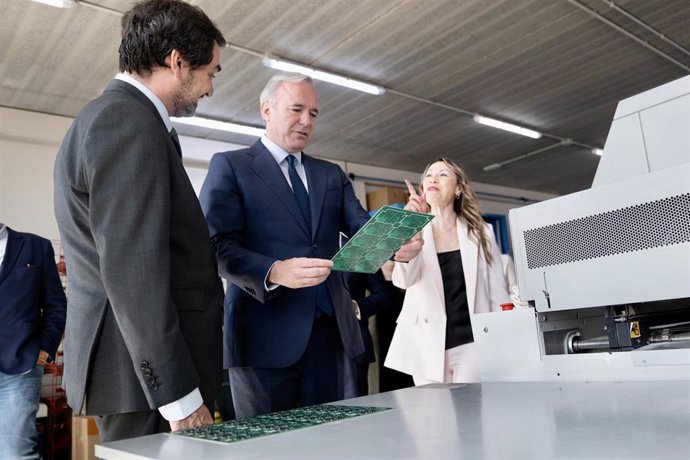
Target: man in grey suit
[(143, 335)]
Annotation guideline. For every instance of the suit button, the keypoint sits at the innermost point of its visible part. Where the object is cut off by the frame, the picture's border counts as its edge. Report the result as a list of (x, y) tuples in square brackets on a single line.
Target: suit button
[(315, 246), (144, 365), (147, 372), (154, 387)]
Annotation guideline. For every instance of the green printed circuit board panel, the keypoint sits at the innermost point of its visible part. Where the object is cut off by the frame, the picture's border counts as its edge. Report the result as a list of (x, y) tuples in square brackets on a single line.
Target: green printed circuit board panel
[(379, 239), (277, 422)]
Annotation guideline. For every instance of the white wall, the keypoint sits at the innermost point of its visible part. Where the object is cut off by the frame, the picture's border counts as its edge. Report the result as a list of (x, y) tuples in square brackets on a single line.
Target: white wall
[(29, 142)]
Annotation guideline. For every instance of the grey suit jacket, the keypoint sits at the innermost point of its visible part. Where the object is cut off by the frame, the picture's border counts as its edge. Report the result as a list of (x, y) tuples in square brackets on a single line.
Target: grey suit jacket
[(144, 299)]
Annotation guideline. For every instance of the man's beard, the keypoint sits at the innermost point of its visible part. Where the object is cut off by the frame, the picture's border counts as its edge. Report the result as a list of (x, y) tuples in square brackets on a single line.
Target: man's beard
[(183, 102)]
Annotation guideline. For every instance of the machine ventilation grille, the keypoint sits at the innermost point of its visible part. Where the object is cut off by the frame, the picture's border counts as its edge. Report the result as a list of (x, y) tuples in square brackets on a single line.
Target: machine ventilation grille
[(648, 225)]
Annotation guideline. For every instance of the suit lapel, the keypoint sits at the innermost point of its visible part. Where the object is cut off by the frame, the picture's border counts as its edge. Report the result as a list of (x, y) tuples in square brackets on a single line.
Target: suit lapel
[(468, 252), (317, 178), (268, 171), (15, 243)]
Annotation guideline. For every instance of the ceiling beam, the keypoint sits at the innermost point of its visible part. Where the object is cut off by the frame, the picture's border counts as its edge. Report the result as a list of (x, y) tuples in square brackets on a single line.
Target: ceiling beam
[(629, 34)]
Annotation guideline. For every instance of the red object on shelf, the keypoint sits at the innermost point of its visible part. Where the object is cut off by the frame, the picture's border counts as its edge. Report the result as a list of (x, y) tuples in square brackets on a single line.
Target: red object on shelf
[(507, 306), (55, 404), (53, 368)]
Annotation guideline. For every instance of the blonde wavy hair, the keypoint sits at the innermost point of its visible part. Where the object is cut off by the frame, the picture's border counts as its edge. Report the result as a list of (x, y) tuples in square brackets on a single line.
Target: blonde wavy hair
[(466, 206)]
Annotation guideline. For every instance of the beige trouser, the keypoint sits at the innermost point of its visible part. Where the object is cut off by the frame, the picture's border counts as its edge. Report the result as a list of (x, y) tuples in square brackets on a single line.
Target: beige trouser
[(461, 366)]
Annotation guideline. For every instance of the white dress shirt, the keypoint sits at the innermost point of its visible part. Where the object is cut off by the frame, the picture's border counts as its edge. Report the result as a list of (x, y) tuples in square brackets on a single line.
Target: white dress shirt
[(280, 155), (3, 242)]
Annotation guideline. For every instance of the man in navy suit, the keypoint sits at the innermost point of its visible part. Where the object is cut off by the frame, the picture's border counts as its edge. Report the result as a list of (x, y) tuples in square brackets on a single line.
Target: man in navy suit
[(32, 320), (275, 215)]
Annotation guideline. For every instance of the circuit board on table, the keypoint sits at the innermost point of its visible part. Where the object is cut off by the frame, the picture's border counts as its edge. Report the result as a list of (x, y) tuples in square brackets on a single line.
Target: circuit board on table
[(278, 422)]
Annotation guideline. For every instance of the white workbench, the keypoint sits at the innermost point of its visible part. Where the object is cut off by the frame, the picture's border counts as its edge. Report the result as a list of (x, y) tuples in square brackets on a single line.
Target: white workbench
[(599, 420)]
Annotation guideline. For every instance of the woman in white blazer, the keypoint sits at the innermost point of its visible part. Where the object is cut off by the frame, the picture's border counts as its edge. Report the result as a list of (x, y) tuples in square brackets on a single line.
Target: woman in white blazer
[(457, 274)]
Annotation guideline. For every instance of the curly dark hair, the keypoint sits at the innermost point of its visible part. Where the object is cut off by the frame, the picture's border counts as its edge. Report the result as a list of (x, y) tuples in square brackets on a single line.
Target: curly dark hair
[(153, 28)]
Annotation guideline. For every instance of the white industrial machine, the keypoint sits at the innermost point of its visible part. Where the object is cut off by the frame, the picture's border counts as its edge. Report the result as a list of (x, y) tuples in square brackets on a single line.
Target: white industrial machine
[(606, 271)]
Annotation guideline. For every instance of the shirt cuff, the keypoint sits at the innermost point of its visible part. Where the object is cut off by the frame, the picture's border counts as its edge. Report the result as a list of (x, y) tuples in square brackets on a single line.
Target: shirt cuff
[(270, 286), (183, 407), (356, 310)]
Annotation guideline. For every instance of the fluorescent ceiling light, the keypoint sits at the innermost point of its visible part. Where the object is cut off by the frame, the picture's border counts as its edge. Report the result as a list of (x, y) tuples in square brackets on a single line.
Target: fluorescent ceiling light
[(599, 152), (58, 3), (507, 127), (219, 125), (323, 76)]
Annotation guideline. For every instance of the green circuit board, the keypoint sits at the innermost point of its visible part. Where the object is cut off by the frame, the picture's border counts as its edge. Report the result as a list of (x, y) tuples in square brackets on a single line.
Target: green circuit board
[(277, 422), (379, 239)]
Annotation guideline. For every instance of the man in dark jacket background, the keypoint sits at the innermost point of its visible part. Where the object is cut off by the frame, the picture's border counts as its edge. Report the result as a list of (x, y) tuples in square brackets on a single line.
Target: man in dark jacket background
[(32, 320)]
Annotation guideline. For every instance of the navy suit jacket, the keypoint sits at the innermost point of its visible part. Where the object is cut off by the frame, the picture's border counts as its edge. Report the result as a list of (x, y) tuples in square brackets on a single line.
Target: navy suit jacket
[(254, 221), (32, 302)]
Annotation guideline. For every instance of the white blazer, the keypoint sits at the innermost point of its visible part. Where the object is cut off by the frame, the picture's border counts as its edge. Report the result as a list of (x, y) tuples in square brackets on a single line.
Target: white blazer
[(418, 345)]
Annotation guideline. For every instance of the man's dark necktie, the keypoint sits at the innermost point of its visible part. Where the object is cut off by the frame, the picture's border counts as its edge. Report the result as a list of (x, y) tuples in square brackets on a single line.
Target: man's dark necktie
[(323, 300), (176, 141), (300, 192)]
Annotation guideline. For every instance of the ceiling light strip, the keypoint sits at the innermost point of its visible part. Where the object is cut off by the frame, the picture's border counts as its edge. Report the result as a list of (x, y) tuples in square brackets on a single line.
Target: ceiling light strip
[(57, 3), (317, 74), (287, 66), (507, 127), (219, 125), (100, 7), (562, 140)]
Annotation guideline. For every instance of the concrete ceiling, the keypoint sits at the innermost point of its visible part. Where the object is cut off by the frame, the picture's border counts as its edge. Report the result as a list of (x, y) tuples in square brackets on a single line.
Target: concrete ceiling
[(557, 66)]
